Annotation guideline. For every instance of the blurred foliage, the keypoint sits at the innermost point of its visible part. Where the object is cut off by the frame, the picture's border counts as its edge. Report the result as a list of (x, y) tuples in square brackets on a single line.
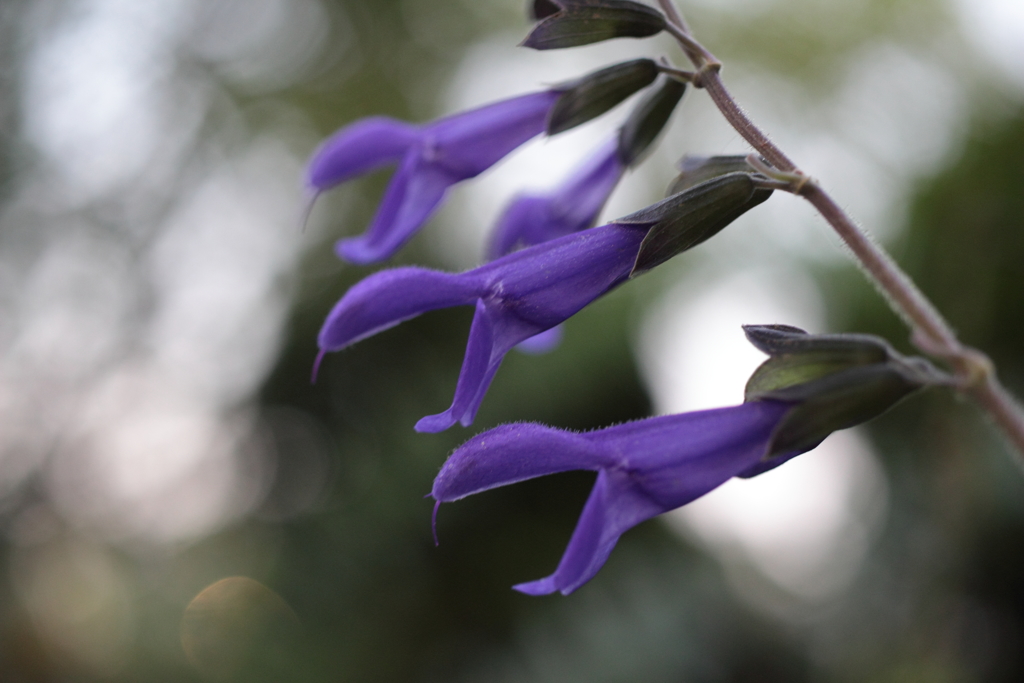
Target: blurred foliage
[(958, 494), (9, 77), (811, 41)]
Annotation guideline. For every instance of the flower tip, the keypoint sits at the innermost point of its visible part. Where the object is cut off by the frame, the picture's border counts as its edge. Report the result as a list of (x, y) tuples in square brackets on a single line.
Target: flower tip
[(316, 365), (312, 194), (433, 424), (540, 587), (542, 343), (433, 522), (356, 250)]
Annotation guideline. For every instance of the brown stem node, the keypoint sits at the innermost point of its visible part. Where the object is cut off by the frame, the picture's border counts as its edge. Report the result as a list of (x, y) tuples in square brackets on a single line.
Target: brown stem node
[(708, 68)]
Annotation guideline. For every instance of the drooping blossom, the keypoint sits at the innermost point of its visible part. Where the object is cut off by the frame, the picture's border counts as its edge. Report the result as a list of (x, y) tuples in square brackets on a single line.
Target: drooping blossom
[(809, 387), (575, 205), (644, 468), (516, 297), (533, 218), (527, 292), (431, 158)]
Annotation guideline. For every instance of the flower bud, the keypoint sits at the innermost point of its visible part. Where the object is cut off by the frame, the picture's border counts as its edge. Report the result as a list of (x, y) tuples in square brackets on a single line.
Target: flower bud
[(683, 221), (835, 381), (594, 94), (541, 9), (696, 169), (647, 120), (581, 22)]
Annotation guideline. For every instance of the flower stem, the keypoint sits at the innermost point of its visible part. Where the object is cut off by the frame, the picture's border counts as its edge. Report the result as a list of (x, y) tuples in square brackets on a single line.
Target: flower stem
[(930, 332), (711, 81), (677, 26), (674, 16), (678, 74)]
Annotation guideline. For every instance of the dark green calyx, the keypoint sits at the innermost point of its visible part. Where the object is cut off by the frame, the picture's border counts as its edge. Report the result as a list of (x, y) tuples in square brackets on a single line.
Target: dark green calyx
[(594, 94), (695, 170), (539, 9), (646, 122), (834, 381), (684, 220), (798, 357), (581, 22)]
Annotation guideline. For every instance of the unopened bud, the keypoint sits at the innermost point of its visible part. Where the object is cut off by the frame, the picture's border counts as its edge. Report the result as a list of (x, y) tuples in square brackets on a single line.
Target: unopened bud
[(648, 119), (694, 170), (581, 22), (592, 95), (835, 381), (683, 221)]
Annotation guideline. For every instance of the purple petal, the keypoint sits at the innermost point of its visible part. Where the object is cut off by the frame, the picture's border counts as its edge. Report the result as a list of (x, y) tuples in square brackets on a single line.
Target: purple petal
[(359, 148), (478, 368), (668, 462), (520, 296), (581, 199), (435, 157), (411, 198), (529, 292), (533, 219), (526, 215), (547, 283), (469, 143), (678, 458), (615, 505), (492, 335), (512, 453), (542, 343), (761, 467), (645, 468), (388, 297)]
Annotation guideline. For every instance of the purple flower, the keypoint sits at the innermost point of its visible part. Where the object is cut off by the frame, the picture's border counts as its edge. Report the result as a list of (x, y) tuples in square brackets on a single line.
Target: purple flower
[(535, 218), (644, 468), (516, 297), (431, 158)]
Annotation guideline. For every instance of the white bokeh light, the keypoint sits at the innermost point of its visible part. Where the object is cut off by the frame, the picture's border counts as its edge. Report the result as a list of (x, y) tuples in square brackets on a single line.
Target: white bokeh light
[(144, 461), (142, 327), (996, 28), (155, 448), (267, 50), (93, 97), (693, 351)]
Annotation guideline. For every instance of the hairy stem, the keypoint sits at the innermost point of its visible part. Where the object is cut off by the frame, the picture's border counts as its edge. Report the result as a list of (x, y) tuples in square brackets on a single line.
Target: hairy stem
[(737, 118), (681, 32), (903, 294), (674, 16), (931, 333)]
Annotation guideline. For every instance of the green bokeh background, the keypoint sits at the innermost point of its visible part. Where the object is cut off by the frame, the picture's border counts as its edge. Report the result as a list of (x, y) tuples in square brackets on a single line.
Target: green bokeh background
[(940, 598)]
